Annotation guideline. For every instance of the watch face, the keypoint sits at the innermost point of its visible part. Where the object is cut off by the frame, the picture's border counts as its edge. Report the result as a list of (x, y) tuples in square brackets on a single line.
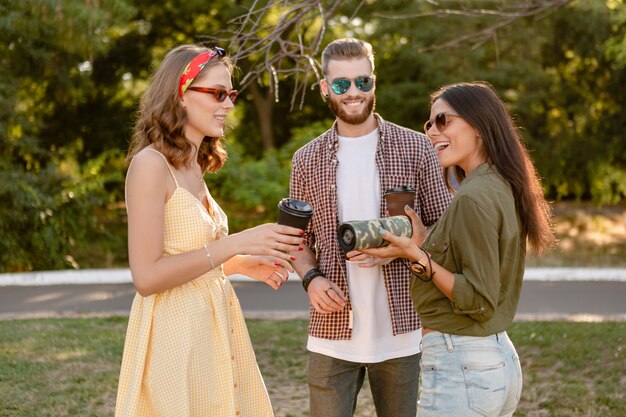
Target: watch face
[(417, 268)]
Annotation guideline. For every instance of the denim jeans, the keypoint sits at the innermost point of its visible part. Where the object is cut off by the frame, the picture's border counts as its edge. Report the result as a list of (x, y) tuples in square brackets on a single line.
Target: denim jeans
[(334, 385), (469, 376)]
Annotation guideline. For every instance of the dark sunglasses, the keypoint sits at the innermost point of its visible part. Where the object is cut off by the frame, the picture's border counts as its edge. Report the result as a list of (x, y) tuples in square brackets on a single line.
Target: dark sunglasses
[(219, 93), (342, 85), (441, 121)]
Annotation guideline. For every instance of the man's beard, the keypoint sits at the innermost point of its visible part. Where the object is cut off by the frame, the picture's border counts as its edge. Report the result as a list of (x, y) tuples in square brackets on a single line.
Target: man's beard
[(334, 102)]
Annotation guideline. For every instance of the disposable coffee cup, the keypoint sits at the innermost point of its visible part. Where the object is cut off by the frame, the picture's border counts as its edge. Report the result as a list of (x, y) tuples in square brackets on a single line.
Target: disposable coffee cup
[(397, 198), (295, 213)]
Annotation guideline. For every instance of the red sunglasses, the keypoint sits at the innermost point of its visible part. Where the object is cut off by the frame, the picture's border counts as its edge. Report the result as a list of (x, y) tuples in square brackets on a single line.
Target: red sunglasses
[(441, 121), (220, 94)]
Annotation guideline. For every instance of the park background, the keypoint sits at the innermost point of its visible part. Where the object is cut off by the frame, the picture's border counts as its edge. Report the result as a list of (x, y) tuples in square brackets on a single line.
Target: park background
[(71, 75), (73, 71)]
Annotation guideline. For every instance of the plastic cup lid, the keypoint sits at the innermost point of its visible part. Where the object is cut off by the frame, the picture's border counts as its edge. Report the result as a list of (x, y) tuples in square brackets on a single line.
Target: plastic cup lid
[(293, 205)]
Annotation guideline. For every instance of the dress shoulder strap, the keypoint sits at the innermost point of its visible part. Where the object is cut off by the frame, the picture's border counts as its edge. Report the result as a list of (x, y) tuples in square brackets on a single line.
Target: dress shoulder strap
[(166, 162)]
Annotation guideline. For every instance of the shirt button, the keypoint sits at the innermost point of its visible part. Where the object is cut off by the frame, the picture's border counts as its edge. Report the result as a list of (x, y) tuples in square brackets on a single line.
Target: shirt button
[(235, 385)]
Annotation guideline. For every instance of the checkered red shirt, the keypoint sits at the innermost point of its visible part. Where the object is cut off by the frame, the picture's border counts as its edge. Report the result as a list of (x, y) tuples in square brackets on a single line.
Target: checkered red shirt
[(403, 158)]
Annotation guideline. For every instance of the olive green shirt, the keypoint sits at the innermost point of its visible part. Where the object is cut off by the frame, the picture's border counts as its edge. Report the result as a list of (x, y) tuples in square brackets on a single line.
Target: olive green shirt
[(479, 239)]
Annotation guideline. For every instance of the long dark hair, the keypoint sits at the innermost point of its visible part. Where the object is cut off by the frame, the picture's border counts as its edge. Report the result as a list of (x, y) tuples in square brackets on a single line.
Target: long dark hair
[(161, 119), (479, 105)]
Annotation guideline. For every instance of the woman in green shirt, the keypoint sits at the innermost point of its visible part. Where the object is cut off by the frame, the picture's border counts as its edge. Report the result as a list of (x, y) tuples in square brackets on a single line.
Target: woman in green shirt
[(468, 270)]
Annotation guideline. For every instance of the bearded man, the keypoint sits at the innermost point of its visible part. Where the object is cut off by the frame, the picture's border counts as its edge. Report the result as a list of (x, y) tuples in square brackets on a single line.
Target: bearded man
[(362, 320)]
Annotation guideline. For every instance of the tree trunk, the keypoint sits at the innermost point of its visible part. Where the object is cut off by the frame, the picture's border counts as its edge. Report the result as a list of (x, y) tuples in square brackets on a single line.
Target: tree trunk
[(264, 104)]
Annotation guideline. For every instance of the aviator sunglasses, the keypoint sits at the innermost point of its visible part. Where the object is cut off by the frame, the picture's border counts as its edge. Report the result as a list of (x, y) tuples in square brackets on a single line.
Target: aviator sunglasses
[(341, 85), (441, 121), (220, 94)]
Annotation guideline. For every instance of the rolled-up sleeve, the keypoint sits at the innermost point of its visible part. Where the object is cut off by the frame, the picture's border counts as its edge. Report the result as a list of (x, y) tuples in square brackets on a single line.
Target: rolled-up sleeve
[(475, 239)]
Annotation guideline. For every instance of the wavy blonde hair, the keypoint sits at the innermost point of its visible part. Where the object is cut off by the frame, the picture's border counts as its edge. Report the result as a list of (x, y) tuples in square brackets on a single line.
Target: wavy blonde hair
[(161, 119)]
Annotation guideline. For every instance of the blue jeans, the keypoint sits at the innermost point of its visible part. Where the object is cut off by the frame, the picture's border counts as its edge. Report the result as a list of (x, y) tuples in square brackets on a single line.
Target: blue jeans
[(469, 376), (334, 385)]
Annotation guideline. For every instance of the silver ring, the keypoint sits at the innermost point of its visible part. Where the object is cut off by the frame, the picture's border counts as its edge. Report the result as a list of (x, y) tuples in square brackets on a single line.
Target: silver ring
[(282, 278), (276, 245)]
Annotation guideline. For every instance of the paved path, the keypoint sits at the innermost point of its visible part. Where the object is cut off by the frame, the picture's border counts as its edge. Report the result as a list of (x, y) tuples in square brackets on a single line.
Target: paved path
[(572, 300)]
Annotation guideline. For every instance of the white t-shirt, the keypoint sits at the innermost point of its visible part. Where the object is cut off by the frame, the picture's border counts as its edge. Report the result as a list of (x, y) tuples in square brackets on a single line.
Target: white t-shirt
[(358, 198)]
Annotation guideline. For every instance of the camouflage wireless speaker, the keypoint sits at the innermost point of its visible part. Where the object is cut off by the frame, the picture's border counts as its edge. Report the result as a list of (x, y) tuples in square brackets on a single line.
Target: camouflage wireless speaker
[(363, 234)]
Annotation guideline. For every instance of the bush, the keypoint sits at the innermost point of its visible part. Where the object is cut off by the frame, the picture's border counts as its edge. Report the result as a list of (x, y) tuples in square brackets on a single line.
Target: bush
[(50, 213)]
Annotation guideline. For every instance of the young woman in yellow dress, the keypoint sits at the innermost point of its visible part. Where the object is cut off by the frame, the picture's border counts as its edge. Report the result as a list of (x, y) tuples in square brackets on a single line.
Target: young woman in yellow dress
[(187, 350)]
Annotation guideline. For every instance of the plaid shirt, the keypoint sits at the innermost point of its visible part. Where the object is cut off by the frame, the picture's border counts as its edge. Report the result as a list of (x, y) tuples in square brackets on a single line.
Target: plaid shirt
[(403, 158)]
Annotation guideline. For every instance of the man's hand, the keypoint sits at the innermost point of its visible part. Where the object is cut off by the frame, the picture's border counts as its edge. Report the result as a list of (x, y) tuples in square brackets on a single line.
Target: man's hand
[(325, 296)]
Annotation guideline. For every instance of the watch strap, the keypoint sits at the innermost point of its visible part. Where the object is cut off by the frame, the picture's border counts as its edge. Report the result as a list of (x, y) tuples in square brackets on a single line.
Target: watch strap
[(417, 268), (310, 276)]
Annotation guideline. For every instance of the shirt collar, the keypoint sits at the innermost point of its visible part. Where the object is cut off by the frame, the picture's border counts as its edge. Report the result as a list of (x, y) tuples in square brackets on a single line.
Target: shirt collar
[(482, 169)]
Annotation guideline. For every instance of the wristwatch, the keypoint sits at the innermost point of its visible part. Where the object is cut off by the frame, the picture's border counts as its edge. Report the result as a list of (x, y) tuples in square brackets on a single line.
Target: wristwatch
[(417, 268), (310, 276)]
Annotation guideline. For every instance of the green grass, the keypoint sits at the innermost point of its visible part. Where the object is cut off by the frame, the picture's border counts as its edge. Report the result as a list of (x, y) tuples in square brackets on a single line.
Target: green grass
[(64, 367), (69, 367)]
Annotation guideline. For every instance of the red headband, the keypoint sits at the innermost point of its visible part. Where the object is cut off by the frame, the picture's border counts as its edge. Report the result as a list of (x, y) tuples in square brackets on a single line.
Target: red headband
[(194, 67)]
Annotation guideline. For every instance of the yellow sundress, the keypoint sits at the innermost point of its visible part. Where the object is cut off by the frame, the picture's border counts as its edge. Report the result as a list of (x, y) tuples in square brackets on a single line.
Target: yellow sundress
[(187, 351)]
